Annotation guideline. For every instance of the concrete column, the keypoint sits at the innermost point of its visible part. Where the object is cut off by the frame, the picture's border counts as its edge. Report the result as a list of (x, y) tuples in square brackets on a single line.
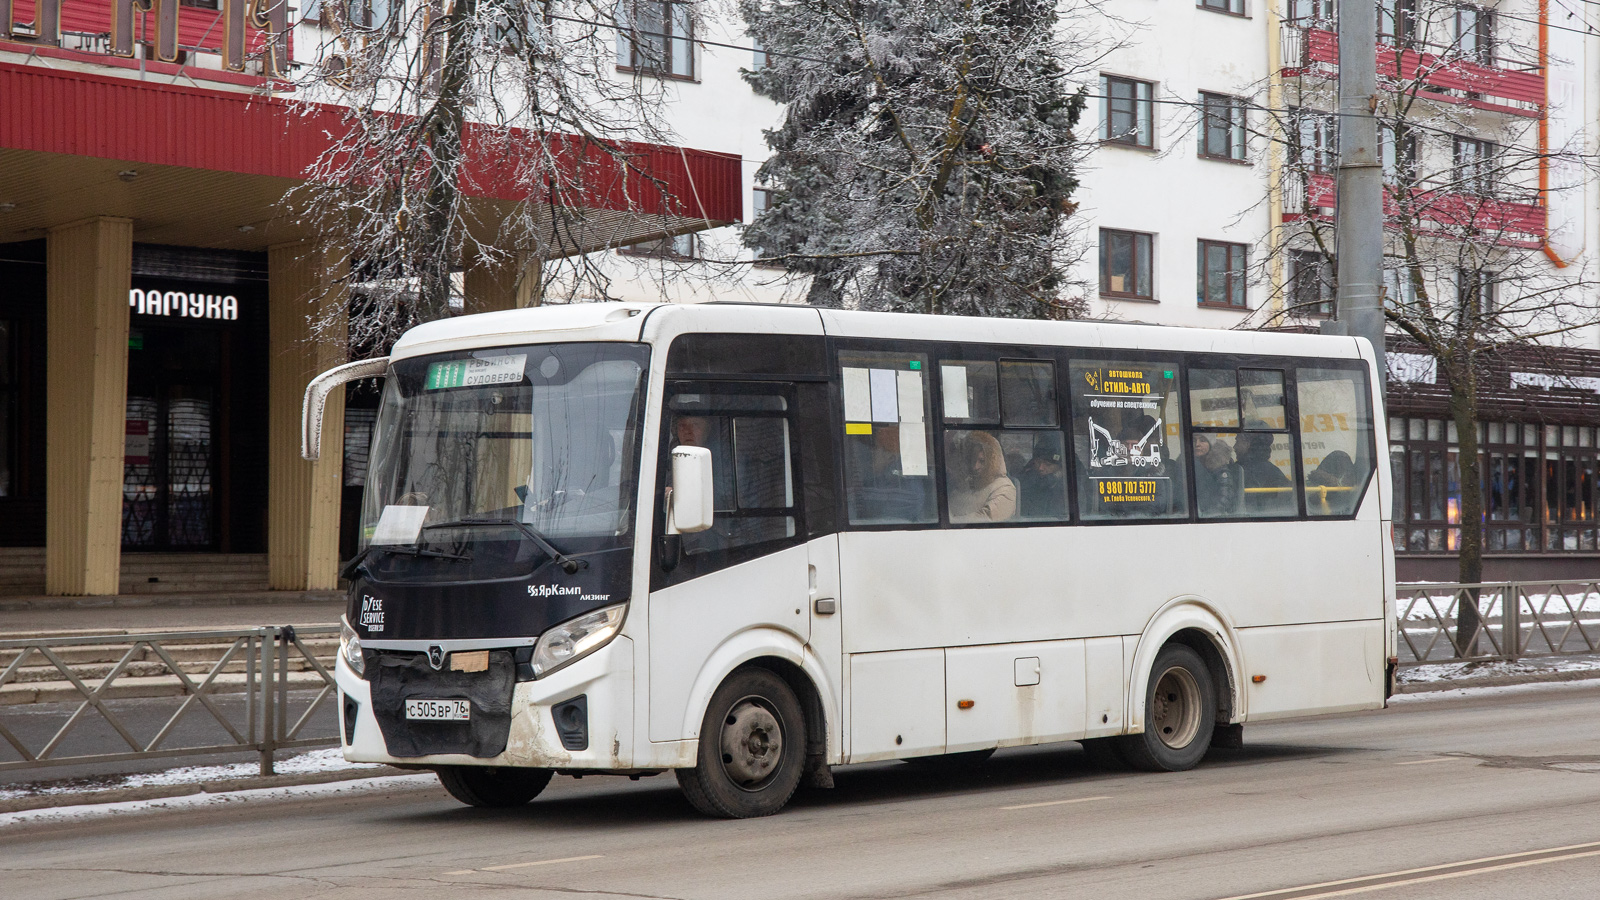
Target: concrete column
[(509, 285), (305, 286), (89, 266)]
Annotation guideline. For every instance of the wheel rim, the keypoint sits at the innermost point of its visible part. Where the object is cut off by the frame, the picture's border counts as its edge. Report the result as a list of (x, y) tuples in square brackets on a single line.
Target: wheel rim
[(752, 743), (1175, 708)]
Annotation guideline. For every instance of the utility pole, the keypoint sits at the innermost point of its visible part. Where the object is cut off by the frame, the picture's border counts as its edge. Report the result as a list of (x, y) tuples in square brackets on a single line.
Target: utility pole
[(1359, 227)]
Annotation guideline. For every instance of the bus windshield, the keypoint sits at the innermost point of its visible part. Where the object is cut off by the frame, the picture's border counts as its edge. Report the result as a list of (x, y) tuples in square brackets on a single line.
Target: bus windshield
[(543, 435)]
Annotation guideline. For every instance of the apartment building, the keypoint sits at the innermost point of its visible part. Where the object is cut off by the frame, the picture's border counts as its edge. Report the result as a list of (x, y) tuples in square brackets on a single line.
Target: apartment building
[(1208, 201)]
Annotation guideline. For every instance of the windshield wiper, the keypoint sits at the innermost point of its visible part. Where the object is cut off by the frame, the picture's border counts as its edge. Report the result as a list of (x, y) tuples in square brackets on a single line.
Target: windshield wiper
[(358, 562), (567, 563)]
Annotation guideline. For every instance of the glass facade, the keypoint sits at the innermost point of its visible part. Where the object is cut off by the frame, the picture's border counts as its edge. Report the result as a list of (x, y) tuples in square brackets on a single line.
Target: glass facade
[(1539, 486)]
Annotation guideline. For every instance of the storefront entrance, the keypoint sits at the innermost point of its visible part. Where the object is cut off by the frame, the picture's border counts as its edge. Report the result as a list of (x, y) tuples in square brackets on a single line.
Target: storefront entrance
[(170, 467)]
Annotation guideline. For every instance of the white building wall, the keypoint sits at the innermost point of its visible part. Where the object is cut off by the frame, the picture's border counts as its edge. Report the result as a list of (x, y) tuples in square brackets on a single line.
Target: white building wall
[(1171, 191)]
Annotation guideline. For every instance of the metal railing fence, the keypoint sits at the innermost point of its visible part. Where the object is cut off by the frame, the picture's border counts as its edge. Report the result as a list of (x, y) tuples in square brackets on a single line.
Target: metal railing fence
[(1437, 623), (1506, 620), (267, 722)]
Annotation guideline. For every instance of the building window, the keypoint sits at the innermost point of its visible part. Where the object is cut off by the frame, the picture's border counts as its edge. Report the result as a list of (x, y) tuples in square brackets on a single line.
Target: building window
[(682, 246), (360, 13), (761, 200), (1221, 274), (1315, 140), (1222, 123), (1128, 116), (758, 57), (1474, 33), (1397, 21), (1475, 162), (656, 38), (1475, 290), (1308, 13), (1399, 288), (1125, 265), (1310, 286), (1397, 147), (1232, 7), (8, 408)]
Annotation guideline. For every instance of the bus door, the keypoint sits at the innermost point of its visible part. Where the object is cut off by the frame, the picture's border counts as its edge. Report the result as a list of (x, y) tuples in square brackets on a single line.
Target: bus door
[(752, 570)]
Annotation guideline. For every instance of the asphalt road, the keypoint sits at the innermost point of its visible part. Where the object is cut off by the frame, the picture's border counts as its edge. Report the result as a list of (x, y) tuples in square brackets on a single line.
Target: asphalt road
[(1494, 796)]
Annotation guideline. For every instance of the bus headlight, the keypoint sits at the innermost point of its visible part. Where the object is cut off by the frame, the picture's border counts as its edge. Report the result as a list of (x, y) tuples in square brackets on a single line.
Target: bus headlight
[(350, 648), (576, 638)]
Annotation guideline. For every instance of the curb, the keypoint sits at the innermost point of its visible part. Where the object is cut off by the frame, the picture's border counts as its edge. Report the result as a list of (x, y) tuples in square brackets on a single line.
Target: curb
[(1431, 687), (225, 786), (129, 601)]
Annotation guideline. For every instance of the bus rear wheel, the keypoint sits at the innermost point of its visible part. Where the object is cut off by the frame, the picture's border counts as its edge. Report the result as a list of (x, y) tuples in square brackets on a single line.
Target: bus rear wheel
[(1179, 714), (752, 748), (493, 787)]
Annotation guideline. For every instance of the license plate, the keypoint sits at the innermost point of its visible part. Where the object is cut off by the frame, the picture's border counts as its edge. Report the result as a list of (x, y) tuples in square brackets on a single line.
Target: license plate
[(439, 710)]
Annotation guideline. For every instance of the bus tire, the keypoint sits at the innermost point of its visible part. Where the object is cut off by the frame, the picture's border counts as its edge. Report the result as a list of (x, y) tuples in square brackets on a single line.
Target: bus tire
[(1179, 712), (493, 787), (752, 748)]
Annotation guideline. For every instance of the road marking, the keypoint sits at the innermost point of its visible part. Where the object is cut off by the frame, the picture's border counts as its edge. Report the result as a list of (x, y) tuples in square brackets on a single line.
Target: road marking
[(542, 862), (1054, 803), (1423, 762), (1426, 874)]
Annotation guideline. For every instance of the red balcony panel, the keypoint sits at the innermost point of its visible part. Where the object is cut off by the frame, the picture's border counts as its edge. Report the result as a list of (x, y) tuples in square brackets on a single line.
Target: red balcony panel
[(1521, 90), (197, 28), (1514, 224)]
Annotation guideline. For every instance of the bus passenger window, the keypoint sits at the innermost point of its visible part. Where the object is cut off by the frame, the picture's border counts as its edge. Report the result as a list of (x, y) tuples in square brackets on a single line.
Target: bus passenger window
[(1213, 398), (887, 441), (1005, 476), (752, 478), (971, 392), (1335, 439), (1028, 393), (1243, 461), (1127, 430)]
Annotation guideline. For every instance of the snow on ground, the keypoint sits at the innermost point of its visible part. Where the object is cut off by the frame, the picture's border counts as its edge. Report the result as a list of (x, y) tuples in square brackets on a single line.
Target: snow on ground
[(1465, 673), (315, 762), (1479, 691), (195, 801)]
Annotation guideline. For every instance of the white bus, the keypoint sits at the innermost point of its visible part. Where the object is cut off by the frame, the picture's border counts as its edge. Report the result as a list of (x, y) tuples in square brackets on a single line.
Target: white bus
[(749, 543)]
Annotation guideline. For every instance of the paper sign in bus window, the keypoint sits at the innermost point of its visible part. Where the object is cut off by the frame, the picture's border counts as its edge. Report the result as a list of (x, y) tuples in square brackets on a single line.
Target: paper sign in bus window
[(399, 525), (885, 395), (954, 379), (857, 395), (913, 448), (909, 396)]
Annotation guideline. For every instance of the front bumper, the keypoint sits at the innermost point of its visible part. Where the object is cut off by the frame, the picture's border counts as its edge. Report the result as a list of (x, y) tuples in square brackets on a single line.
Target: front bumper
[(604, 678)]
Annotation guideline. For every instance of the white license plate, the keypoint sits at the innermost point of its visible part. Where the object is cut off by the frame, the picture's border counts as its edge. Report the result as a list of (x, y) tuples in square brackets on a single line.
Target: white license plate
[(439, 710)]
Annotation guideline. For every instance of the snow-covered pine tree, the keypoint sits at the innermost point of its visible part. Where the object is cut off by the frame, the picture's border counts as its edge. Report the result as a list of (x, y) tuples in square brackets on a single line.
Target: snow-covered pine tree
[(927, 157)]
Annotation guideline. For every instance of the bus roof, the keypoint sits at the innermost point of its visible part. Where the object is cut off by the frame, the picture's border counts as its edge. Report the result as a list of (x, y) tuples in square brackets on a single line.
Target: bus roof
[(660, 322)]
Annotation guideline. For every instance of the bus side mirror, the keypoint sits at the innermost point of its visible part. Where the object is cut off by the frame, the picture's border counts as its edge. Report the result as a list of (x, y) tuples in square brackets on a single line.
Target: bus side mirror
[(691, 491), (316, 399)]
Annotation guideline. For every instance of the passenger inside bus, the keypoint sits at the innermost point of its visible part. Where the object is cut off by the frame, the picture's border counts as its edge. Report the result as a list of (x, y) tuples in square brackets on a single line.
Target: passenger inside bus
[(1042, 484), (877, 490), (980, 489), (1267, 491), (1218, 481)]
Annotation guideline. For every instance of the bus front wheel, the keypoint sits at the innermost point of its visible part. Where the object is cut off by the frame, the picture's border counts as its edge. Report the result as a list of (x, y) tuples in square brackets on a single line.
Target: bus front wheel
[(493, 787), (752, 748), (1179, 713)]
